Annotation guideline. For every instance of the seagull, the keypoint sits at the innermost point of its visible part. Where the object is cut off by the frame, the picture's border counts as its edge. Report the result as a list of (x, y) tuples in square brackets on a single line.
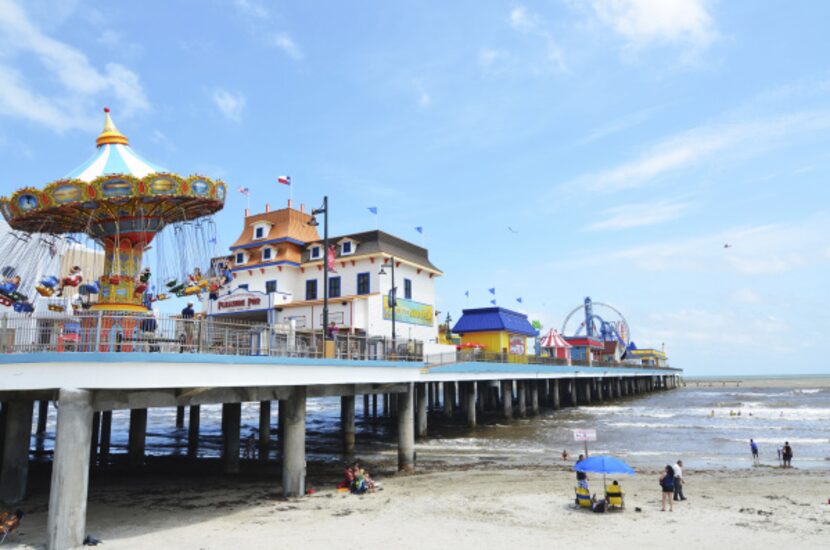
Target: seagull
[(511, 229), (727, 246)]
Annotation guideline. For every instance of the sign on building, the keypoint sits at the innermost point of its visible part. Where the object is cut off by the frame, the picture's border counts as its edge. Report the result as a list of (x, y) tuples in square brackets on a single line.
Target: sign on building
[(407, 311), (239, 301)]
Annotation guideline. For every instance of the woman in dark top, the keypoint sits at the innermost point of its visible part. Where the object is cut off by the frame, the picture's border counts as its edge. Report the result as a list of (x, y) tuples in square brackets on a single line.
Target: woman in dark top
[(667, 486), (787, 455)]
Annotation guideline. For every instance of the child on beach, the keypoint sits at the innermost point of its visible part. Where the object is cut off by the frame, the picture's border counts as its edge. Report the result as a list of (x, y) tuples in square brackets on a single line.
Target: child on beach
[(754, 448)]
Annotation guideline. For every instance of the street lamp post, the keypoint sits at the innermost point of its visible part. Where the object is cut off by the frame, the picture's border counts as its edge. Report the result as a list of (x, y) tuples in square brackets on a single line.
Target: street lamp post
[(313, 221), (393, 299)]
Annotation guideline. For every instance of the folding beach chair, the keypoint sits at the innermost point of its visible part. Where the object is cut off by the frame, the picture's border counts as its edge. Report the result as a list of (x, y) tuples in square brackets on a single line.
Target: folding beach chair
[(614, 497), (583, 498)]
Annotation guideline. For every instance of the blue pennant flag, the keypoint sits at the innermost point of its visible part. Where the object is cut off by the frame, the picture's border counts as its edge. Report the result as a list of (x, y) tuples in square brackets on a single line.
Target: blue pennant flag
[(493, 302), (519, 300), (492, 290), (212, 240), (420, 230), (373, 210), (467, 294)]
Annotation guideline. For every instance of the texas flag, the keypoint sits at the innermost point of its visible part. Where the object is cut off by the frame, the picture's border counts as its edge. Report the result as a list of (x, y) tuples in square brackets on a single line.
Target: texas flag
[(285, 180)]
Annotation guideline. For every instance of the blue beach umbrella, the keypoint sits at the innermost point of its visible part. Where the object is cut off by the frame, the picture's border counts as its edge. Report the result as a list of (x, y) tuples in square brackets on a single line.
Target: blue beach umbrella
[(603, 464)]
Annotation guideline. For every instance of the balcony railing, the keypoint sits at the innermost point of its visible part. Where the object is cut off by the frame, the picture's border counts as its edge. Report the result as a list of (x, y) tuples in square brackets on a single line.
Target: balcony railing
[(100, 332)]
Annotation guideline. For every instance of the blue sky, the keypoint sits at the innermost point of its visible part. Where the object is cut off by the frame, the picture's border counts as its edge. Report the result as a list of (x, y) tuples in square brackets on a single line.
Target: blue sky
[(623, 141)]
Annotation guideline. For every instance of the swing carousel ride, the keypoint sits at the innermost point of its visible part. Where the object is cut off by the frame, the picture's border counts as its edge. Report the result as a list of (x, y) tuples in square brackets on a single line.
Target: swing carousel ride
[(114, 205)]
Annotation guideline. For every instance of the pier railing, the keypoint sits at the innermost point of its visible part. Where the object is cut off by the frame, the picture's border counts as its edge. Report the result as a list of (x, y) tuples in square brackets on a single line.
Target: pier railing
[(478, 356), (174, 334)]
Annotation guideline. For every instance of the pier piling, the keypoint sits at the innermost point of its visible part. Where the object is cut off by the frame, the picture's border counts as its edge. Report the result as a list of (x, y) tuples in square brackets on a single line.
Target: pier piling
[(66, 523), (42, 416), (138, 436), (470, 403), (264, 428), (293, 463), (521, 394), (231, 417), (193, 431), (18, 432), (347, 424), (179, 418), (421, 412), (406, 430), (106, 436), (507, 398)]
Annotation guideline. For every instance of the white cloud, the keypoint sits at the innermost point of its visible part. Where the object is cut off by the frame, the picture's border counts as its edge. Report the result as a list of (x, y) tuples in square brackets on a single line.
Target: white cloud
[(723, 327), (701, 144), (526, 22), (619, 125), (424, 99), (250, 8), (83, 85), (284, 42), (490, 60), (639, 215), (230, 104), (745, 296), (643, 22), (756, 250)]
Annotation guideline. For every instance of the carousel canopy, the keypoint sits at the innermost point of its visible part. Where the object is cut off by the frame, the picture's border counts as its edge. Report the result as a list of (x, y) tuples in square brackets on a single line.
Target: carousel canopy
[(114, 156), (553, 340)]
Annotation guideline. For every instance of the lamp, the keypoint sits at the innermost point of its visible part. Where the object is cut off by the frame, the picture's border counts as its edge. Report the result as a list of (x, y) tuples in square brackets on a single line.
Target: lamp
[(314, 223), (393, 299)]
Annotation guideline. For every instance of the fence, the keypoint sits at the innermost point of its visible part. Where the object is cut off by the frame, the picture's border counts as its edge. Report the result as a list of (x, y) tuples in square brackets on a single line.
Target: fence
[(479, 356), (144, 334)]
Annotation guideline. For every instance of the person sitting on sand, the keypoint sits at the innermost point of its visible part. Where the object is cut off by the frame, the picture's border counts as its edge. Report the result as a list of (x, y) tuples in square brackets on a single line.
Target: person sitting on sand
[(581, 477), (614, 495)]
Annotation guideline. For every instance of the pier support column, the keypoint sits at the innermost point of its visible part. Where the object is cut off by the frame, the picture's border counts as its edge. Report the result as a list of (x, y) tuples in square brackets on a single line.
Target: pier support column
[(18, 433), (406, 430), (430, 396), (470, 403), (555, 394), (574, 393), (448, 398), (366, 405), (374, 405), (66, 523), (231, 418), (193, 432), (138, 436), (293, 463), (521, 397), (106, 436), (534, 397), (386, 400), (42, 416), (347, 424), (599, 389), (264, 428), (95, 438), (179, 418), (421, 413), (507, 398)]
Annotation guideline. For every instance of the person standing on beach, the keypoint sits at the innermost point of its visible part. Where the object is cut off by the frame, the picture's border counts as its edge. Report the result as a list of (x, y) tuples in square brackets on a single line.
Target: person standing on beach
[(787, 455), (667, 487), (678, 481), (754, 448)]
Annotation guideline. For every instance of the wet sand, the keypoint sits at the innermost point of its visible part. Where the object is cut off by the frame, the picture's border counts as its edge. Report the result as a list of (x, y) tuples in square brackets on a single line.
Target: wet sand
[(530, 507)]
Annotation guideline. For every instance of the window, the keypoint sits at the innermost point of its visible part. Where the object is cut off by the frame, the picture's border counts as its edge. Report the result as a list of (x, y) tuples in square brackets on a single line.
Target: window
[(259, 232), (346, 248), (363, 283), (311, 289), (270, 286), (266, 253), (240, 257), (243, 287), (334, 287), (407, 289), (315, 252)]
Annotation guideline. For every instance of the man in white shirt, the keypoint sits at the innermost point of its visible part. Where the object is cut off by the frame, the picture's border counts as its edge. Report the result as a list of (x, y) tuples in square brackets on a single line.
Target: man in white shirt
[(678, 481)]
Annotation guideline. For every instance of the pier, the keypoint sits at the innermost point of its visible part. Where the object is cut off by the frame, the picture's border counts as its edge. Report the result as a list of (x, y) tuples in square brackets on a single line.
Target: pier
[(88, 384)]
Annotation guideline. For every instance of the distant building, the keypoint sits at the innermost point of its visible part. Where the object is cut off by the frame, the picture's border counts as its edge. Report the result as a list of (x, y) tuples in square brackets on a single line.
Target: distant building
[(585, 349), (277, 266), (496, 329), (649, 357)]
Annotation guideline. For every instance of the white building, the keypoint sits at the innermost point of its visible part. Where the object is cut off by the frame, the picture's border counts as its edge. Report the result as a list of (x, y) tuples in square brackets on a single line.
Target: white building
[(277, 266)]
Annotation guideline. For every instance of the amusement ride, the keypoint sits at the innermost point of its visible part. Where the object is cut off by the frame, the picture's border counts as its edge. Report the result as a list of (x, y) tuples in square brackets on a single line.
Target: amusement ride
[(114, 208), (601, 321)]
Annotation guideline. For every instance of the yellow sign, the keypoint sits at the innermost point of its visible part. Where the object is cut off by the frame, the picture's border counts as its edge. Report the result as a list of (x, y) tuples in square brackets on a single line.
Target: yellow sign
[(410, 312)]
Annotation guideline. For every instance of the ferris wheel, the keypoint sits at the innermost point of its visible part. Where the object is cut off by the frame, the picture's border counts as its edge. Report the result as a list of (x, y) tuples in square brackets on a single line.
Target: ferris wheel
[(600, 321)]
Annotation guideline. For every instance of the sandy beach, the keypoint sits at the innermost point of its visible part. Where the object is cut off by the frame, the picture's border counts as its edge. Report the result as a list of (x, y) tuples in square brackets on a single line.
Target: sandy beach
[(464, 508)]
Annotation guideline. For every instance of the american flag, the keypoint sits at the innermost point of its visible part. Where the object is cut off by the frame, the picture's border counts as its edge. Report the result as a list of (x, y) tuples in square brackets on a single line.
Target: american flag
[(285, 180), (245, 191)]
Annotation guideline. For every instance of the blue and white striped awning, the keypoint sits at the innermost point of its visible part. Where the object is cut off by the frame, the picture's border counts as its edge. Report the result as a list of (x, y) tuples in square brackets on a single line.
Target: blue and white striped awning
[(113, 158)]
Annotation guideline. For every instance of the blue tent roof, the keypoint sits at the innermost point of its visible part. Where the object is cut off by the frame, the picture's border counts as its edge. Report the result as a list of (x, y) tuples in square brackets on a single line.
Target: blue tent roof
[(488, 319)]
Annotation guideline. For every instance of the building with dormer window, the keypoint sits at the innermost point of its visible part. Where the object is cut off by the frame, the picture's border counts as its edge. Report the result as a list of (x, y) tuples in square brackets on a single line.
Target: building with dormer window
[(277, 266)]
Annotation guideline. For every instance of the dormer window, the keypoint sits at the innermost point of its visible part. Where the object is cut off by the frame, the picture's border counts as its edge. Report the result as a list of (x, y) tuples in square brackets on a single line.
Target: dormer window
[(267, 253), (261, 230), (346, 248), (240, 258), (316, 252)]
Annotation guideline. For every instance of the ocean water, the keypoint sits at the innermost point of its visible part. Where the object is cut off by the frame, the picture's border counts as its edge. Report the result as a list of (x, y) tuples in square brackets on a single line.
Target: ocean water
[(692, 423)]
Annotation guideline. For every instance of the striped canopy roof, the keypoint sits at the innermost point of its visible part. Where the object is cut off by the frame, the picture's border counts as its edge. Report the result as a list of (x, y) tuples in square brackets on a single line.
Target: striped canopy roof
[(553, 340), (114, 156)]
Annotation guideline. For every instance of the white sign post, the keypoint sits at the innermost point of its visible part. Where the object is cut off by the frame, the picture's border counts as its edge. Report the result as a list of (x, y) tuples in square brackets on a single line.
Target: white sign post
[(585, 435)]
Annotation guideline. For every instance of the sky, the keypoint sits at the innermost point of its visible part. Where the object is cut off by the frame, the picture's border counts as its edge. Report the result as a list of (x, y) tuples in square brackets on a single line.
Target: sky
[(551, 150)]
